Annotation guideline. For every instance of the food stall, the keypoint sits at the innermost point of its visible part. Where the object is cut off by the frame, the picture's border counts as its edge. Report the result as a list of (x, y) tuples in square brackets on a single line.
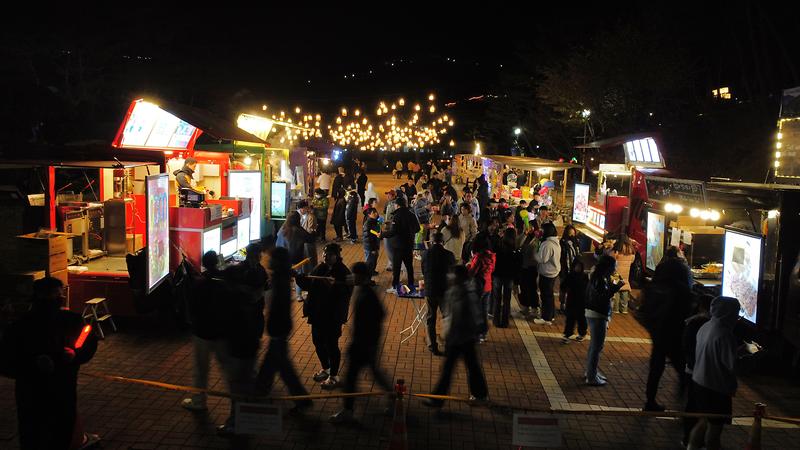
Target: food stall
[(98, 207), (607, 205), (506, 174)]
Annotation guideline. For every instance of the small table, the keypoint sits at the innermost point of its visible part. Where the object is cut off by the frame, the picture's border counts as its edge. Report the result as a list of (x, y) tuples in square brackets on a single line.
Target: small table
[(421, 308)]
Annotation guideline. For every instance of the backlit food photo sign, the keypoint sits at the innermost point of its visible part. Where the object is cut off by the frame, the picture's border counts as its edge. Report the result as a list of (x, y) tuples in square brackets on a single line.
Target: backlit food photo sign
[(149, 126)]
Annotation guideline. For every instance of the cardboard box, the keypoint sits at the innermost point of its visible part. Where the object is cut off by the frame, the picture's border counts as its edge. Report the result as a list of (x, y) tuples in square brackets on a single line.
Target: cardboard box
[(51, 245), (133, 242)]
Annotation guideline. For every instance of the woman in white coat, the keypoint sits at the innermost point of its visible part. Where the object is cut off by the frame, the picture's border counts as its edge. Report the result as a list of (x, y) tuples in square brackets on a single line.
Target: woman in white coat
[(370, 193)]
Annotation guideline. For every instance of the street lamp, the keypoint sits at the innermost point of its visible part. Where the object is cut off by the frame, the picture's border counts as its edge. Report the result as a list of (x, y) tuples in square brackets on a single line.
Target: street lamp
[(586, 113), (517, 131)]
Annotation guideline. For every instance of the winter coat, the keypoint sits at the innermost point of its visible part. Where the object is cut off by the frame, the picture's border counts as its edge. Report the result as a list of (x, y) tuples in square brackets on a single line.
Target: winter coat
[(527, 248), (370, 193), (599, 294), (624, 263), (715, 353), (208, 306), (453, 244), (508, 261), (422, 210), (549, 257), (338, 217), (337, 190), (469, 227), (183, 178), (279, 319), (361, 182), (320, 206), (295, 243), (247, 308), (569, 251), (436, 261), (481, 267), (368, 317), (575, 285), (403, 229), (371, 241), (353, 202), (462, 314), (327, 304)]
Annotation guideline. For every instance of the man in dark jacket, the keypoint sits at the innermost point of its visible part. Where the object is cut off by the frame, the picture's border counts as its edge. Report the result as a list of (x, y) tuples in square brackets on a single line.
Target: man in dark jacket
[(207, 306), (42, 354), (351, 213), (326, 308), (361, 185), (401, 239), (368, 316), (184, 177), (279, 325), (371, 233), (671, 291), (337, 190), (483, 196), (436, 261)]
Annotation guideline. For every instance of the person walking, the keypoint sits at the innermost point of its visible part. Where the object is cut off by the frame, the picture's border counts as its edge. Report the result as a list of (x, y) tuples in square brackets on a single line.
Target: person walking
[(338, 218), (248, 281), (475, 208), (693, 325), (293, 237), (351, 214), (462, 317), (398, 169), (598, 314), (40, 352), (368, 318), (574, 286), (666, 306), (529, 274), (338, 187), (320, 205), (308, 222), (207, 309), (370, 193), (570, 250), (624, 253), (436, 261), (483, 197), (326, 308), (371, 238), (324, 182), (549, 258), (401, 233), (714, 374), (481, 268), (279, 325)]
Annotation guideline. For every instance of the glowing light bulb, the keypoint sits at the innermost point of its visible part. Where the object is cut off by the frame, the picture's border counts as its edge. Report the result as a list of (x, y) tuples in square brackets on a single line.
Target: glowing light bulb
[(432, 109), (297, 110), (417, 107), (714, 215), (694, 212), (344, 111), (431, 97)]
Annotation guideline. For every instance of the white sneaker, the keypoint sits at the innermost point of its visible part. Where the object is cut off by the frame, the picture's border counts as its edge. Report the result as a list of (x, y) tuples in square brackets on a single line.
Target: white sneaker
[(538, 321), (391, 291), (330, 383), (192, 405), (343, 416), (565, 339), (320, 376)]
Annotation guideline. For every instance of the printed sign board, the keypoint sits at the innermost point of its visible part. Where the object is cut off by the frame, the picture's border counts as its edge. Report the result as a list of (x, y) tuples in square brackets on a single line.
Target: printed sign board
[(536, 431)]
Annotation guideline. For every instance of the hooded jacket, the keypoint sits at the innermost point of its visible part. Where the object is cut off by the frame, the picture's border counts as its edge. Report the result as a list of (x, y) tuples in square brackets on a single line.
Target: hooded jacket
[(462, 314), (436, 261), (183, 177), (549, 257), (715, 351), (403, 229)]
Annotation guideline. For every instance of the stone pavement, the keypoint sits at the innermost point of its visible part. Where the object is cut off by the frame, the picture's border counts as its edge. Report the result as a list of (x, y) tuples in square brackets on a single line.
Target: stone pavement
[(526, 367)]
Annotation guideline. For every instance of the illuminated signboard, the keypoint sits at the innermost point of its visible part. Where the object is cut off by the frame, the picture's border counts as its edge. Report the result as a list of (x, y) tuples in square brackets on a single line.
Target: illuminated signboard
[(248, 184), (690, 192), (655, 239), (157, 205), (257, 126), (149, 126), (580, 205), (212, 240), (643, 153), (597, 220), (787, 152), (229, 248), (243, 232), (741, 271), (278, 200)]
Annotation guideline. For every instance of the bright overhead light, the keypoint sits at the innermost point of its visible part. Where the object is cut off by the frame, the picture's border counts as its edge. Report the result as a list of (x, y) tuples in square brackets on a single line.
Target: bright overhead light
[(677, 209), (714, 215), (773, 214), (248, 160), (705, 215), (694, 212), (517, 131), (431, 97)]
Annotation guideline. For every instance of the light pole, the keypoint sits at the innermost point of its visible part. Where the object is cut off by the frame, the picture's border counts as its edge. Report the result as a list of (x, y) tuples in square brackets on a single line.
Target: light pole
[(586, 126)]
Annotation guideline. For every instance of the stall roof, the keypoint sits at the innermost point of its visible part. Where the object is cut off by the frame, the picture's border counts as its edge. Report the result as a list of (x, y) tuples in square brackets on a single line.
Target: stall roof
[(615, 141), (209, 123), (73, 164), (530, 163), (756, 186)]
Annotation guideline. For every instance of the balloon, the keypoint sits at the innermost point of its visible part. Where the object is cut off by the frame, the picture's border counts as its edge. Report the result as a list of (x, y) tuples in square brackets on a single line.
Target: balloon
[(543, 191), (549, 184)]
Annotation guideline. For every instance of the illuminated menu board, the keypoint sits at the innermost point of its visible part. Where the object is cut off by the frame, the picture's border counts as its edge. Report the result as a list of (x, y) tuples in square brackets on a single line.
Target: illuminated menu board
[(157, 205), (248, 184), (149, 126), (742, 271), (643, 153), (580, 205)]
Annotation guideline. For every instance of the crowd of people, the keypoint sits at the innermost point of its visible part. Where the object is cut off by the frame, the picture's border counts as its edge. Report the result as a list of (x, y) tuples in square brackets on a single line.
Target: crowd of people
[(475, 253)]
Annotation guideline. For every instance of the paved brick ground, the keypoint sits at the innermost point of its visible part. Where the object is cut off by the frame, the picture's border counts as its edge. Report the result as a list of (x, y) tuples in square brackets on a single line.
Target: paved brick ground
[(135, 417)]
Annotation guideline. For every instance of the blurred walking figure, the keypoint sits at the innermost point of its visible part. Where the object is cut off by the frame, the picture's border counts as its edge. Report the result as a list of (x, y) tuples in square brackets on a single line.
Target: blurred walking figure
[(462, 316), (207, 309), (528, 276), (549, 258), (338, 219), (480, 268), (505, 272), (320, 204), (368, 317), (351, 214), (279, 325), (371, 239), (326, 308), (404, 227)]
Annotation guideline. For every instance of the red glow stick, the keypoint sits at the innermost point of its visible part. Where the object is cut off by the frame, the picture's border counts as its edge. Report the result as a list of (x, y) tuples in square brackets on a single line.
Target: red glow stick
[(82, 338)]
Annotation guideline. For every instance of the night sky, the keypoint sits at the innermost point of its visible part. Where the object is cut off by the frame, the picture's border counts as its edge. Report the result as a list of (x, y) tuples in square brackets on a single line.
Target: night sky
[(324, 58)]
